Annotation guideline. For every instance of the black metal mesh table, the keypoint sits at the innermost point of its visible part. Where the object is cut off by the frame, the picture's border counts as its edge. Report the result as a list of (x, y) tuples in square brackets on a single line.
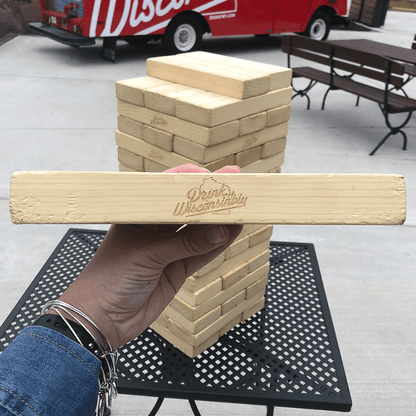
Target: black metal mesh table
[(285, 355)]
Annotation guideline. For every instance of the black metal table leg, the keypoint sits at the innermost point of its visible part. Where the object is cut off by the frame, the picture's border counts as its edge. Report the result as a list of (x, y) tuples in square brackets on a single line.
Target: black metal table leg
[(270, 410), (156, 407), (194, 407)]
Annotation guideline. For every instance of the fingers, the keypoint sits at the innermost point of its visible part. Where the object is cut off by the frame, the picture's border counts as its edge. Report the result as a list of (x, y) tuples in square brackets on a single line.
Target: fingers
[(187, 168), (229, 169), (192, 264), (191, 168), (192, 240)]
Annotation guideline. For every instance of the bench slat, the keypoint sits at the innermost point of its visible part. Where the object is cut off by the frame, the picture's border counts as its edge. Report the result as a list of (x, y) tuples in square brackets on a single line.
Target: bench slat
[(397, 103), (345, 66), (341, 52)]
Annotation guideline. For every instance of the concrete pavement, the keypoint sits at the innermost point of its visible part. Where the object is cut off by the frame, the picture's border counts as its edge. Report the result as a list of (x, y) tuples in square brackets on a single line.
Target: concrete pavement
[(58, 112)]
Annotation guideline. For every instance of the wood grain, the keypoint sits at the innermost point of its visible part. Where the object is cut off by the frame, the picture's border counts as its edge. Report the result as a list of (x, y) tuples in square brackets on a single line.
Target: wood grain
[(207, 77), (118, 197), (193, 132), (206, 110)]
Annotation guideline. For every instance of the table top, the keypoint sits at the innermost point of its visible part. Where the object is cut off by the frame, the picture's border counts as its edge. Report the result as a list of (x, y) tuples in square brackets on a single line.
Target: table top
[(397, 53), (285, 355)]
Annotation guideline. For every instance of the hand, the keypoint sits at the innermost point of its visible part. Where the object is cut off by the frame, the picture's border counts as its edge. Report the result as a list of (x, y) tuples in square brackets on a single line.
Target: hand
[(138, 270)]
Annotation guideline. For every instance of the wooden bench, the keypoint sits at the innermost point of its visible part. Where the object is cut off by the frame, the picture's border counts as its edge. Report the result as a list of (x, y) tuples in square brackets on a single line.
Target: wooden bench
[(352, 63), (409, 68)]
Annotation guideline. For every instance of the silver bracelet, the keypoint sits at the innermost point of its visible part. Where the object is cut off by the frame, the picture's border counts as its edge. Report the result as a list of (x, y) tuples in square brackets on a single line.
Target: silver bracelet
[(107, 383)]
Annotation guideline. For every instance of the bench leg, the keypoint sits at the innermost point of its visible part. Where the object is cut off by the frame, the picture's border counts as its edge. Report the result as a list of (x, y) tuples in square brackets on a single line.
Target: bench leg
[(393, 130), (304, 92), (326, 94)]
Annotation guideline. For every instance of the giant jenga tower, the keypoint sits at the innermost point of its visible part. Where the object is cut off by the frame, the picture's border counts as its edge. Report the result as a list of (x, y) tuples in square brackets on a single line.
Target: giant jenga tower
[(211, 111)]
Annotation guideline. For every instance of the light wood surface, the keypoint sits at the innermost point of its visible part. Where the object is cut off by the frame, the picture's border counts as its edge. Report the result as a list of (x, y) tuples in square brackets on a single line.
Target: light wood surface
[(228, 76), (210, 112), (130, 159), (254, 257), (133, 90), (163, 99), (280, 77), (118, 197), (191, 131), (207, 77), (204, 154)]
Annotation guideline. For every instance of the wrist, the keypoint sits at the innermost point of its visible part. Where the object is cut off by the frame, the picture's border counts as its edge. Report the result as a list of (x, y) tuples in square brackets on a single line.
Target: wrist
[(84, 322)]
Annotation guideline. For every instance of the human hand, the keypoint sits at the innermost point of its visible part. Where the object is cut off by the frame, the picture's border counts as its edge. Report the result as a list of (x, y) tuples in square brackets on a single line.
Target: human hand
[(138, 270)]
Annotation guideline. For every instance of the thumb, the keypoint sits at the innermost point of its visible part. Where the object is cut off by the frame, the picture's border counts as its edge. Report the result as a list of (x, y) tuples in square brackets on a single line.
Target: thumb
[(194, 240)]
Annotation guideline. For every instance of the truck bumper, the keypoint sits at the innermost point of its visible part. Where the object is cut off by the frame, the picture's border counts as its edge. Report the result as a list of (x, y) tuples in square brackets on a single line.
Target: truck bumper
[(60, 35)]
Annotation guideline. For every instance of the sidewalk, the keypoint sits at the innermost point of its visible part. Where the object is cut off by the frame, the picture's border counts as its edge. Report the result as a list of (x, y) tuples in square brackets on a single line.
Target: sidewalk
[(58, 112)]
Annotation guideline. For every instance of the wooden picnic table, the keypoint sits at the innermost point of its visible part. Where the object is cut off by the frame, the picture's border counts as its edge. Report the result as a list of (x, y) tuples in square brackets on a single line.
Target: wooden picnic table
[(397, 53)]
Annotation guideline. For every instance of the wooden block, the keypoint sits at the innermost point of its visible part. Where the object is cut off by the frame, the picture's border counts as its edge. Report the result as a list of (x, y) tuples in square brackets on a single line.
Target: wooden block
[(130, 159), (248, 229), (201, 295), (270, 149), (158, 138), (213, 112), (264, 165), (214, 78), (278, 115), (214, 264), (129, 126), (156, 154), (203, 276), (259, 273), (220, 163), (234, 275), (260, 259), (209, 273), (198, 325), (163, 319), (237, 247), (201, 109), (231, 325), (197, 339), (253, 123), (256, 287), (163, 99), (123, 168), (247, 157), (195, 312), (230, 304), (180, 344), (203, 154), (214, 198), (151, 166), (132, 90), (199, 282), (258, 306), (280, 77), (190, 131), (260, 235)]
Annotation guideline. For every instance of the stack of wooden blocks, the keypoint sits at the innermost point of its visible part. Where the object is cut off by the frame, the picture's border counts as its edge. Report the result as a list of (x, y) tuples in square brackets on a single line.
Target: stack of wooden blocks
[(211, 111)]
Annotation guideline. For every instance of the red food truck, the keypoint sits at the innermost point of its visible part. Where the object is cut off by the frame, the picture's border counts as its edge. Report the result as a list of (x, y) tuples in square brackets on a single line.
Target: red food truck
[(181, 23)]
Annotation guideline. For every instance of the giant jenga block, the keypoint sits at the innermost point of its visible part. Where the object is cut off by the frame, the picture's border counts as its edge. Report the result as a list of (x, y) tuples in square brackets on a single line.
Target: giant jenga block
[(212, 111)]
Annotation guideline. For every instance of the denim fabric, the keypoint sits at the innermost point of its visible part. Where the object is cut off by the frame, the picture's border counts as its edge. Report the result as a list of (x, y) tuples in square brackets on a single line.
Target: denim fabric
[(44, 373)]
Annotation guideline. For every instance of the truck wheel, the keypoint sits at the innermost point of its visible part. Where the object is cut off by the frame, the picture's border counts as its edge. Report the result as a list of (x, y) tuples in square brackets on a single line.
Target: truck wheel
[(318, 27), (183, 34)]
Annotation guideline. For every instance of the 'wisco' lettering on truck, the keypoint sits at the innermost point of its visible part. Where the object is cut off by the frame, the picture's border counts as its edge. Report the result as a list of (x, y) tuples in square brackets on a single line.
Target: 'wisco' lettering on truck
[(180, 24)]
